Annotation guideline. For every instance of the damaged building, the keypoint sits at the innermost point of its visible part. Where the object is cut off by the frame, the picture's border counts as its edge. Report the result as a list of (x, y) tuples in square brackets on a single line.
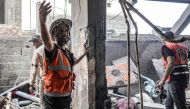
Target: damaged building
[(110, 74)]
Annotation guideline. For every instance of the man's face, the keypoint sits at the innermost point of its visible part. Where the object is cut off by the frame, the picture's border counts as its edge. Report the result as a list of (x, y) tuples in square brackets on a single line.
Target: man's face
[(63, 35), (37, 43)]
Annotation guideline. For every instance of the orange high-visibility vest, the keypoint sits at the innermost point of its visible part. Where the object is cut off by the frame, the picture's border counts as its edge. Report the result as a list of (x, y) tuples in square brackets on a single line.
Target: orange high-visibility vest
[(59, 76), (180, 56)]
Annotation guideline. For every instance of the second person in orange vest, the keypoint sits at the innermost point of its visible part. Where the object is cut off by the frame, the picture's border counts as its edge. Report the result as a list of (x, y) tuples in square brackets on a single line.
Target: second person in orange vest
[(176, 73), (58, 61)]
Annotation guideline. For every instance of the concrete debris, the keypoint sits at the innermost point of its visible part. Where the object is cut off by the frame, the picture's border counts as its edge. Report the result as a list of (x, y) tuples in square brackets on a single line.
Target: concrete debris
[(20, 95), (117, 74), (123, 103), (15, 87), (159, 66), (154, 105), (124, 60), (146, 98), (2, 102)]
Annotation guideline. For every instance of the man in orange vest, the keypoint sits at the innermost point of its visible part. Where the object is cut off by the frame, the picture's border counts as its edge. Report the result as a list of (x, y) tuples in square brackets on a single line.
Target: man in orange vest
[(176, 74), (58, 61)]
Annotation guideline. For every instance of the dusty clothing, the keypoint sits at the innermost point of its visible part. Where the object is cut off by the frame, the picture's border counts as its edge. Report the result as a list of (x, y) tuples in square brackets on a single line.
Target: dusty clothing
[(37, 64), (179, 77), (36, 71)]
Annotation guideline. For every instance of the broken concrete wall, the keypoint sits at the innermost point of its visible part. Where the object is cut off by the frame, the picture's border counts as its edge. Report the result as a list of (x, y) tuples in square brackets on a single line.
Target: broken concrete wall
[(149, 48), (14, 60)]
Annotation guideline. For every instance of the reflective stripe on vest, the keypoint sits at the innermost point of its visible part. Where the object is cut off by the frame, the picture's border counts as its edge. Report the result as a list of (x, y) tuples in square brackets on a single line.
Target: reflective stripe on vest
[(61, 65), (177, 66)]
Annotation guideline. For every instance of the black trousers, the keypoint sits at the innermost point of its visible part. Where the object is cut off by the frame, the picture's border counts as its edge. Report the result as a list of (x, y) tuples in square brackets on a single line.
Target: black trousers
[(57, 102), (176, 91)]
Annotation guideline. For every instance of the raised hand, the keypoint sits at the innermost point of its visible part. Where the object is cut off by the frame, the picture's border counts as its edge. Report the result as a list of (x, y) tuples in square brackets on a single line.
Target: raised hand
[(44, 10)]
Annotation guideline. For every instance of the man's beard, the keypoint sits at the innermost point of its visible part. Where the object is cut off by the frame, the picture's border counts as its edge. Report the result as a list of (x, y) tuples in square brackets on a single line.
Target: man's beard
[(63, 41)]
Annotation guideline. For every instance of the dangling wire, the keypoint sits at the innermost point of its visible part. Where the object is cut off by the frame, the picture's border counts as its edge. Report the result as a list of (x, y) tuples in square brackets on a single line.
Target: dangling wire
[(128, 51), (137, 54)]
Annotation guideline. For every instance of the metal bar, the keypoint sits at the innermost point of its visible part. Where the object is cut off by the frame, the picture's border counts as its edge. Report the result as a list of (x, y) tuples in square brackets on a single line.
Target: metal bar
[(182, 22), (153, 26), (15, 87), (27, 96), (175, 1), (128, 51), (137, 54)]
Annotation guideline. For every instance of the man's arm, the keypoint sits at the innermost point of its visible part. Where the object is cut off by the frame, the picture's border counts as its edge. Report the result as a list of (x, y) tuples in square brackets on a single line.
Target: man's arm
[(169, 68), (33, 71), (82, 56), (44, 10), (168, 53)]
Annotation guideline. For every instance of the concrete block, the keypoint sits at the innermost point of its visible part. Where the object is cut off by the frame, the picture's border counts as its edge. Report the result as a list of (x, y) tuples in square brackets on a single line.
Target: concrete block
[(14, 58), (14, 66), (16, 51), (8, 73)]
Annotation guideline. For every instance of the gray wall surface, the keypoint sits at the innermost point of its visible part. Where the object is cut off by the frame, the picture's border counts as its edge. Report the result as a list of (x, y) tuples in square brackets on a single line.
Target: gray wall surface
[(148, 50), (2, 13), (15, 60)]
